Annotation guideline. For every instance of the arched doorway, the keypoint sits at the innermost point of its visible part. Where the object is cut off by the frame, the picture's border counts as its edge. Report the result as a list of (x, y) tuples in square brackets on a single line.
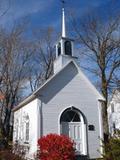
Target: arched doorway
[(72, 124)]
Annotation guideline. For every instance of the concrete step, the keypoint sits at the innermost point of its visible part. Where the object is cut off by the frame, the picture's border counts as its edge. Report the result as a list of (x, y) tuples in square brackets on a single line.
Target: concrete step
[(81, 157)]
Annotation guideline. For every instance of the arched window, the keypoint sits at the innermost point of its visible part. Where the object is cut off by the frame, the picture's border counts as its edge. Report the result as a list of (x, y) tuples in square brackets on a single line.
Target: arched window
[(68, 48), (70, 116), (27, 127), (59, 49), (27, 131)]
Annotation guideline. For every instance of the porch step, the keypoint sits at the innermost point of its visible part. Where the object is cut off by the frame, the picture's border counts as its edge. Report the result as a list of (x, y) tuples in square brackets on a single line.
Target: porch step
[(81, 157)]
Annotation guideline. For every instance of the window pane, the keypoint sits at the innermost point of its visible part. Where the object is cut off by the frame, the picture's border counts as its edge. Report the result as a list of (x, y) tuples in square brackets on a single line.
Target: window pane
[(59, 49), (70, 116), (68, 48), (27, 131)]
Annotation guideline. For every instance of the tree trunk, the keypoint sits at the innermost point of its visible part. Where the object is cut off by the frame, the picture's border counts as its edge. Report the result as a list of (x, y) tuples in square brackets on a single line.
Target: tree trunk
[(104, 108)]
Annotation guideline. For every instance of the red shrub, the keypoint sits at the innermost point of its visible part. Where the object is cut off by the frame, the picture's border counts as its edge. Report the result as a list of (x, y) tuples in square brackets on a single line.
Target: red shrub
[(55, 147)]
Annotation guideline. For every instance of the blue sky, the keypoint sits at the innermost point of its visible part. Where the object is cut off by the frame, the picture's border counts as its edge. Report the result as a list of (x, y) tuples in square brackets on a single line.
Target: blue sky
[(43, 13)]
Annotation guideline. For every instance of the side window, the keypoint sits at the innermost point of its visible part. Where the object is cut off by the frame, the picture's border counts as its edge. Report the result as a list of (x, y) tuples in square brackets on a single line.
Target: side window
[(27, 131), (114, 127), (68, 48), (112, 108), (59, 49), (27, 128)]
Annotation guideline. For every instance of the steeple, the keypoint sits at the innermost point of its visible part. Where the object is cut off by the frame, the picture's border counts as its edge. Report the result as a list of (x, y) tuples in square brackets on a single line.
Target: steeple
[(63, 23), (64, 47)]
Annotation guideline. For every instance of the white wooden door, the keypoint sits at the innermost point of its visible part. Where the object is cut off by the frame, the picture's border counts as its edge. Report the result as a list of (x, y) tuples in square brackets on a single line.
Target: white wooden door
[(74, 131)]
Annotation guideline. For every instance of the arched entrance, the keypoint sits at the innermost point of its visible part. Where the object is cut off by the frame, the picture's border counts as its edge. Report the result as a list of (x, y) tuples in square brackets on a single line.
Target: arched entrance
[(72, 124)]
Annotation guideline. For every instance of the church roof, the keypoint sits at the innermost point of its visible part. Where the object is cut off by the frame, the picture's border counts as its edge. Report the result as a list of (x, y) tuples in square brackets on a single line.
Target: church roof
[(37, 92)]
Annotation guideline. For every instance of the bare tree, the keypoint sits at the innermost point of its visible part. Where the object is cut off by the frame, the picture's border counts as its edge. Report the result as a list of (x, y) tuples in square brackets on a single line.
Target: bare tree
[(101, 43), (22, 62), (42, 62), (4, 7), (14, 56)]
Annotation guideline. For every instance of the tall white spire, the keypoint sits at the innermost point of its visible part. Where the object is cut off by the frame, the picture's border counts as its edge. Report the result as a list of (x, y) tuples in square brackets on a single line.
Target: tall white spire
[(63, 23), (64, 47)]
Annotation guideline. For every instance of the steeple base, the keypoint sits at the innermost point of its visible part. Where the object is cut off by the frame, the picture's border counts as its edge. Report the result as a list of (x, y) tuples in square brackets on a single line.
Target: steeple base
[(61, 61)]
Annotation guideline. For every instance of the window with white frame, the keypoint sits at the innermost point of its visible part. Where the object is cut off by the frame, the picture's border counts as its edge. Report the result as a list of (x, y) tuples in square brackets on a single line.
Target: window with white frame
[(27, 131), (112, 108), (27, 128)]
